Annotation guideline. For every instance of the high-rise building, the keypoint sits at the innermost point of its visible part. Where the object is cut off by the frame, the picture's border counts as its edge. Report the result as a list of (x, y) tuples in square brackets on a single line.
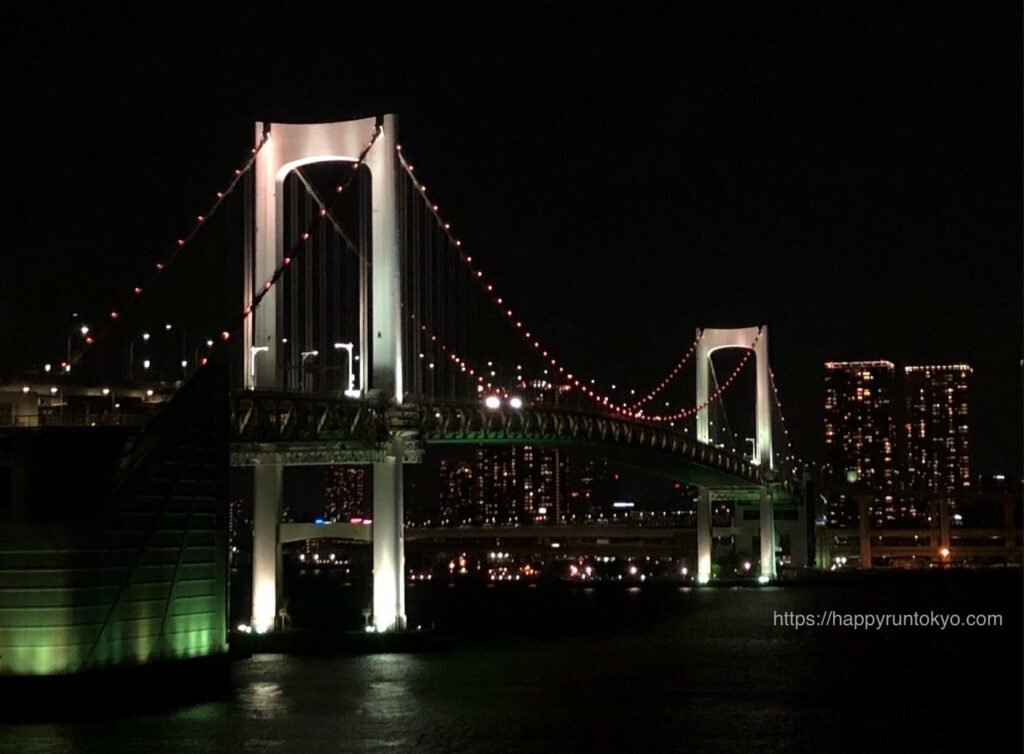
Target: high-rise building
[(457, 504), (495, 485), (860, 435), (239, 529), (598, 490), (345, 493), (859, 423), (520, 485), (545, 484), (938, 448)]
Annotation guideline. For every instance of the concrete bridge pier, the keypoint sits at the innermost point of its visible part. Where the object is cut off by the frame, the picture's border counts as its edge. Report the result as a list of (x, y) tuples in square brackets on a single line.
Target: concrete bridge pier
[(389, 540), (704, 535), (268, 492), (767, 534)]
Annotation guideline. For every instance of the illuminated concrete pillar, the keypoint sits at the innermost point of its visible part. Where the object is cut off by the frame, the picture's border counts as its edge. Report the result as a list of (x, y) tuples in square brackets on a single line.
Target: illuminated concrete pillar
[(704, 535), (767, 530), (714, 339), (267, 494), (385, 277), (389, 541)]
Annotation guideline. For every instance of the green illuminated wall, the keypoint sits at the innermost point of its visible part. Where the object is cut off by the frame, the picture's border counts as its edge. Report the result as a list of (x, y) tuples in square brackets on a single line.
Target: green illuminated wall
[(142, 577)]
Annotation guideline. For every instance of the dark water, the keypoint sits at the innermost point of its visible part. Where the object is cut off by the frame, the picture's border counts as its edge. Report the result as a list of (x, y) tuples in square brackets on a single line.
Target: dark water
[(659, 669)]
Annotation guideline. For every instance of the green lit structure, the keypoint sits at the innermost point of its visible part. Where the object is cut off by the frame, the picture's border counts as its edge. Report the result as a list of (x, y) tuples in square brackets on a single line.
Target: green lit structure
[(113, 541)]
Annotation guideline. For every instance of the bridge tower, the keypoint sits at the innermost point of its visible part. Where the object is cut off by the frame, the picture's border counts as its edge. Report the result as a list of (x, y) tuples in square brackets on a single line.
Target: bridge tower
[(290, 146), (756, 339)]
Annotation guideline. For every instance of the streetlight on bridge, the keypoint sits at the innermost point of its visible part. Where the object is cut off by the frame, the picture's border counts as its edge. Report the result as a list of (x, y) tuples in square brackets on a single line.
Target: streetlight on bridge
[(131, 353), (254, 351), (350, 391), (303, 356), (83, 330)]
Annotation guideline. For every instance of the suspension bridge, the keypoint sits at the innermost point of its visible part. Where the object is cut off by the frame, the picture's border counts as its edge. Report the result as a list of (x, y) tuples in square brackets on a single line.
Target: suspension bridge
[(366, 333)]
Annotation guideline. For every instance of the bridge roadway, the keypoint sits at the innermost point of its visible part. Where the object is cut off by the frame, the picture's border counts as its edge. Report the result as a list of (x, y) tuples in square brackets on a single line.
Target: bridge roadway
[(606, 537), (300, 429), (565, 538), (276, 428), (600, 533)]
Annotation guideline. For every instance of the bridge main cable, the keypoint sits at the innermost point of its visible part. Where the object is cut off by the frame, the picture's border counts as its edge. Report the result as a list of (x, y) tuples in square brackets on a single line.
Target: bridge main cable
[(782, 421), (160, 267), (719, 391), (667, 380), (489, 290), (498, 301)]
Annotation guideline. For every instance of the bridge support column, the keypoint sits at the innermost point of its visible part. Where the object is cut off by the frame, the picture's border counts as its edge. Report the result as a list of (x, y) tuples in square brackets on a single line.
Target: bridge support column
[(767, 525), (389, 541), (704, 536), (267, 496)]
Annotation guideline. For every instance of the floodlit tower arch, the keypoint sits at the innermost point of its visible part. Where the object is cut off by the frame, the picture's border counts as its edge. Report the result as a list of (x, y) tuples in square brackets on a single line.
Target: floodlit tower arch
[(756, 339), (715, 339), (290, 146)]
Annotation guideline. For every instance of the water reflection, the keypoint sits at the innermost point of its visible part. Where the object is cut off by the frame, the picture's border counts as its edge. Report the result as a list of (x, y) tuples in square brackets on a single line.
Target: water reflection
[(262, 699), (388, 705), (683, 668)]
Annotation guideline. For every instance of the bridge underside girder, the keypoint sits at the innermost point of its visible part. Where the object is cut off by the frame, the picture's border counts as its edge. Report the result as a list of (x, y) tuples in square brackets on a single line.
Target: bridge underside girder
[(292, 532), (316, 453)]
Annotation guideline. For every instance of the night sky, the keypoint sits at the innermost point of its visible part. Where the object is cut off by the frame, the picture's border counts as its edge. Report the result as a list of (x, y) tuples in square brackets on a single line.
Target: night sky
[(849, 174)]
